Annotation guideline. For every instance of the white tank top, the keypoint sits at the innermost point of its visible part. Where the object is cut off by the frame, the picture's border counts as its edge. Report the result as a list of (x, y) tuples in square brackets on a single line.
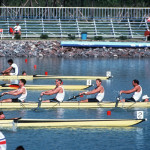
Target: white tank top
[(60, 96), (137, 95), (23, 96), (3, 141), (15, 69), (100, 96)]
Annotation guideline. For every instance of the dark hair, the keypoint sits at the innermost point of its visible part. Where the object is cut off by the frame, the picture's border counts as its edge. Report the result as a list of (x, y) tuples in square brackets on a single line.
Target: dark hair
[(20, 148), (23, 80), (10, 61), (23, 72), (1, 112), (60, 80), (99, 80), (136, 81)]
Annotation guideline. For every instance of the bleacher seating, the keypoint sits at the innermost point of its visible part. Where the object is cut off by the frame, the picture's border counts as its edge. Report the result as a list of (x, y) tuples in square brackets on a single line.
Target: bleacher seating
[(61, 28)]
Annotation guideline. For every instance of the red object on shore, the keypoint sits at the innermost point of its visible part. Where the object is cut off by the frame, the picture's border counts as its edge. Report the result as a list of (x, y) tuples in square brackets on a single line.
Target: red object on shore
[(10, 30), (46, 73), (35, 66), (147, 33), (109, 113), (26, 60)]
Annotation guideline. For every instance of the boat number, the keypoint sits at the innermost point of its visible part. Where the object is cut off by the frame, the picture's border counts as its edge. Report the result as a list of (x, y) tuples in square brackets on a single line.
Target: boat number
[(108, 74), (89, 82), (140, 114)]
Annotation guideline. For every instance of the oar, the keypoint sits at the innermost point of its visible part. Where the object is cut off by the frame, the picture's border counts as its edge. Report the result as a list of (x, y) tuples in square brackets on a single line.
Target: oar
[(74, 97), (11, 85), (89, 86), (117, 100)]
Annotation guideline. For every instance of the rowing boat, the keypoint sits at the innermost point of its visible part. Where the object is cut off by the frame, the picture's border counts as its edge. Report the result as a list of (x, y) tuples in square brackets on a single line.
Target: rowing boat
[(65, 123), (32, 105), (45, 87), (31, 77)]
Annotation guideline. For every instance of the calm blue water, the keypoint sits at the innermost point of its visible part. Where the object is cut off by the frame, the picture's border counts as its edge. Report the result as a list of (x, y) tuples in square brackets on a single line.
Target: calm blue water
[(123, 70)]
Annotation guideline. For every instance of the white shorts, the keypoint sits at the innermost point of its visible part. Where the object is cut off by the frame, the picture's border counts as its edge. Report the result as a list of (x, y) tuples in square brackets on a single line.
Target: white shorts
[(13, 74)]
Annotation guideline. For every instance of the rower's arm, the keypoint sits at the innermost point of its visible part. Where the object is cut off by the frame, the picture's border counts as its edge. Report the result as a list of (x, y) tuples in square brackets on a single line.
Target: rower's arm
[(93, 91), (7, 70), (51, 92), (16, 92), (128, 91)]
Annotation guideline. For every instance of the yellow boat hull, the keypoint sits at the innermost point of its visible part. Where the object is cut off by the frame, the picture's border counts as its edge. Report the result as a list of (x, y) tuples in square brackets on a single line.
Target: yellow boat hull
[(33, 105), (65, 123), (46, 87), (31, 77)]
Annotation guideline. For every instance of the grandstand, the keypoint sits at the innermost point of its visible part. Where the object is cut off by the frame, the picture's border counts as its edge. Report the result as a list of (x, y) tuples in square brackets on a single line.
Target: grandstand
[(61, 21)]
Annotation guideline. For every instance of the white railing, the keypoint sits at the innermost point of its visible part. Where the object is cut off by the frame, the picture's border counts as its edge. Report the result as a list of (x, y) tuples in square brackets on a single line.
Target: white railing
[(73, 12)]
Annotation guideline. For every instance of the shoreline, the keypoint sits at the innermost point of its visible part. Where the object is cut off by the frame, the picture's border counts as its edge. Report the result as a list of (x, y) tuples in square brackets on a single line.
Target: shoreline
[(52, 48)]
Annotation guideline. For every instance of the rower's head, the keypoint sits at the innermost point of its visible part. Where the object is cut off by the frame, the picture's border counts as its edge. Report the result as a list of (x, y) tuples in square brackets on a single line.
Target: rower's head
[(22, 82), (135, 82), (58, 82), (10, 62), (24, 73), (98, 82)]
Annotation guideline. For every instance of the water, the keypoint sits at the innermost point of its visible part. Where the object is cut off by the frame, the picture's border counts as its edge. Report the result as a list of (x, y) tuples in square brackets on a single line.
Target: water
[(123, 70)]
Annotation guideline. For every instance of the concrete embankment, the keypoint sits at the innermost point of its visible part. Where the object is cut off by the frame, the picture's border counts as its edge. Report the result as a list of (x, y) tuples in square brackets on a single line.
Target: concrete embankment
[(46, 48)]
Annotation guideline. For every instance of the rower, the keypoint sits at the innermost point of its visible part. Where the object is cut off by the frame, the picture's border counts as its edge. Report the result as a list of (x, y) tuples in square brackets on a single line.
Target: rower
[(21, 93), (13, 67), (137, 90), (59, 90), (2, 116), (99, 90), (24, 73)]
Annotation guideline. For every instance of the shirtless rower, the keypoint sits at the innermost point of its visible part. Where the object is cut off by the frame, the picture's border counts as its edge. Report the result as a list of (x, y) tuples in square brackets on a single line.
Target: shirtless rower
[(99, 90), (21, 93), (59, 90), (13, 67), (137, 90)]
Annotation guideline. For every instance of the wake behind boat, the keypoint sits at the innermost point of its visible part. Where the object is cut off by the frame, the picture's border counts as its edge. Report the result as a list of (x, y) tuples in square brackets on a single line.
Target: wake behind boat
[(33, 105), (65, 123)]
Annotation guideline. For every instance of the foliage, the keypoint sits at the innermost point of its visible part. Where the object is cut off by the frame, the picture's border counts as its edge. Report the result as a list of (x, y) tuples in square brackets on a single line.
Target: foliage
[(17, 37), (44, 36), (71, 36), (75, 3), (123, 37), (98, 38)]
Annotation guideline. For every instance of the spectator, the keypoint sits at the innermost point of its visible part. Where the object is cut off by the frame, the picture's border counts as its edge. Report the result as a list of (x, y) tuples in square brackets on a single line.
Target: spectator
[(17, 30), (147, 34)]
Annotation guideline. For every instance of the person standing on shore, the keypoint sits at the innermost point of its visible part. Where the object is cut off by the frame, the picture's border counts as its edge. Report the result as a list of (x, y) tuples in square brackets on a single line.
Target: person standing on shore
[(99, 90), (13, 67), (137, 90)]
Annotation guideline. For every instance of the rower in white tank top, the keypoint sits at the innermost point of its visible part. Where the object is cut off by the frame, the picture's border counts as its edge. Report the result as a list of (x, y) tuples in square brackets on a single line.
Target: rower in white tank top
[(60, 96), (100, 96), (23, 96), (137, 95)]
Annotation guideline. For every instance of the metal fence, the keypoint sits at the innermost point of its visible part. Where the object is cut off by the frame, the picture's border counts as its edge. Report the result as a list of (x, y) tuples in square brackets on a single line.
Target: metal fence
[(72, 13)]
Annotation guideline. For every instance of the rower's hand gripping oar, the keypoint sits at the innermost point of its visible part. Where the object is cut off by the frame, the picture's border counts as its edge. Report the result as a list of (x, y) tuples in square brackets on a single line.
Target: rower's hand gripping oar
[(117, 100)]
